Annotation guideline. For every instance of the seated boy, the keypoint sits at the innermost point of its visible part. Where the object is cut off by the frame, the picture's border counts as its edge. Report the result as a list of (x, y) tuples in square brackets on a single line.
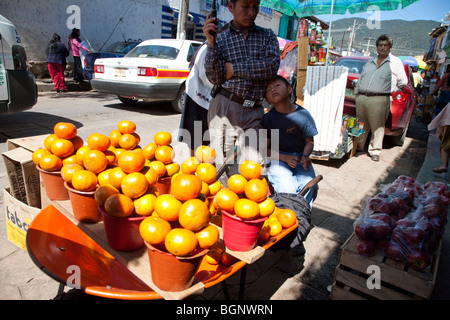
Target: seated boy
[(290, 166)]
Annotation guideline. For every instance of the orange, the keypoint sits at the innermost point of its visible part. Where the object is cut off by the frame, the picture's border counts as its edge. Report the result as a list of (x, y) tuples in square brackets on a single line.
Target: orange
[(77, 142), (250, 169), (110, 157), (50, 162), (246, 209), (103, 177), (119, 205), (213, 256), (71, 159), (154, 230), (172, 168), (162, 138), (49, 141), (186, 186), (81, 153), (165, 154), (65, 130), (266, 207), (159, 167), (275, 228), (214, 187), (264, 234), (208, 236), (68, 170), (193, 214), (149, 151), (98, 141), (115, 177), (36, 156), (236, 183), (181, 242), (134, 185), (84, 180), (126, 126), (62, 148), (128, 141), (150, 174), (226, 199), (114, 137), (137, 137), (104, 192), (95, 161), (189, 165), (145, 205), (205, 154), (287, 218), (131, 161), (206, 172), (256, 190), (205, 189), (167, 207)]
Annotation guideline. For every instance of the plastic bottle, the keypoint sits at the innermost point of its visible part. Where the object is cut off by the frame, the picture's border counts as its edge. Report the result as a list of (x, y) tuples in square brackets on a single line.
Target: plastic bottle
[(319, 32), (312, 36)]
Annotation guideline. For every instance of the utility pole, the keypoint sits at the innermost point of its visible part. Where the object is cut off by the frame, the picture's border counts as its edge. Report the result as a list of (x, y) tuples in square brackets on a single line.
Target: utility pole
[(350, 40), (182, 19), (368, 45)]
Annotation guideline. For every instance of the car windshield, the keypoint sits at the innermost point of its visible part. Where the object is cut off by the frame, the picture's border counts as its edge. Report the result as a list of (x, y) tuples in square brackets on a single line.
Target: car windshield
[(353, 65), (121, 47), (154, 51)]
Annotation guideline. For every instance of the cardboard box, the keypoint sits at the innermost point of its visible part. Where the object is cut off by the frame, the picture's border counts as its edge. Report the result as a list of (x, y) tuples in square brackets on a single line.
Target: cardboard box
[(18, 217), (30, 143), (23, 176)]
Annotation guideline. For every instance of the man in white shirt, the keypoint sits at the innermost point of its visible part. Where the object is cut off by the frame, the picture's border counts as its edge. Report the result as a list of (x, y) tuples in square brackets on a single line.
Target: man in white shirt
[(381, 76)]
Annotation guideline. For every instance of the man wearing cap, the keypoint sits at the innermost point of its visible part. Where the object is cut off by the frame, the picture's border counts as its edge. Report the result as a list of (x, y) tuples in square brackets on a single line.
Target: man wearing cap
[(381, 76)]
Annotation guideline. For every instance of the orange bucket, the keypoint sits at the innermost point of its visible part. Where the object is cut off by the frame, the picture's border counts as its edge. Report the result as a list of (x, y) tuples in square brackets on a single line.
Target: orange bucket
[(84, 205), (171, 273), (53, 184)]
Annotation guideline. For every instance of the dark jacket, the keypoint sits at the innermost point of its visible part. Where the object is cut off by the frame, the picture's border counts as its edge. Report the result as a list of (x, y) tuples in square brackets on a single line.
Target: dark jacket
[(57, 52)]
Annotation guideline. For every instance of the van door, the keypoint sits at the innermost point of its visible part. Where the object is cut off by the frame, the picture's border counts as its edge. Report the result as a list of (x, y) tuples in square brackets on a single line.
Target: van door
[(3, 84)]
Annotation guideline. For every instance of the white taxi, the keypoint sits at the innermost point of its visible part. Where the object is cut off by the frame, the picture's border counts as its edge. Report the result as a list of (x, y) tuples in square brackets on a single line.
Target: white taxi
[(155, 70)]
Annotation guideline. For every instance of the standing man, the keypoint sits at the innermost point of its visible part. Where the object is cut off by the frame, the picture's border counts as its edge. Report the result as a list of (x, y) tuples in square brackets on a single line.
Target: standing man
[(239, 62), (381, 76)]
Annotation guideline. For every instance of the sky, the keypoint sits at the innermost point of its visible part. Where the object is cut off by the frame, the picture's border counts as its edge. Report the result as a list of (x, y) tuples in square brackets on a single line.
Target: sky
[(419, 10)]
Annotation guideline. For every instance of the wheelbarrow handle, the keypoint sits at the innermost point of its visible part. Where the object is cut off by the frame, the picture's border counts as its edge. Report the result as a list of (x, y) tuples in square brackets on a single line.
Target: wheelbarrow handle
[(225, 166), (310, 184)]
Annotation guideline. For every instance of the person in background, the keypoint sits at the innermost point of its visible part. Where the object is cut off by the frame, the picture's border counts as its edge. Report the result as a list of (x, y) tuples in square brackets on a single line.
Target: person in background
[(75, 45), (443, 87), (381, 76), (56, 61), (239, 63), (290, 167), (442, 123), (417, 79)]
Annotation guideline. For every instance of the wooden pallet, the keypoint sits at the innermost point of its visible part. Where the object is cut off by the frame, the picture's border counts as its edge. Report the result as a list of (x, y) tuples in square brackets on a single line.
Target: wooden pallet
[(398, 281)]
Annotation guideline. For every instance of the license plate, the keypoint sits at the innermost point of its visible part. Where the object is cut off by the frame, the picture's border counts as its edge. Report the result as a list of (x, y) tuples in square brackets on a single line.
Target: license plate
[(121, 72)]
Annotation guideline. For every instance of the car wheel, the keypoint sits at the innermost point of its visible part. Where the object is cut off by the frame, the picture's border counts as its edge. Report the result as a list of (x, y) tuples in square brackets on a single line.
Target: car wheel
[(178, 103), (127, 100)]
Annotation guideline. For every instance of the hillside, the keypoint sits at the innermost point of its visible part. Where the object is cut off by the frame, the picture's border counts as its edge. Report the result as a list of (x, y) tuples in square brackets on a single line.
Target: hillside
[(410, 37)]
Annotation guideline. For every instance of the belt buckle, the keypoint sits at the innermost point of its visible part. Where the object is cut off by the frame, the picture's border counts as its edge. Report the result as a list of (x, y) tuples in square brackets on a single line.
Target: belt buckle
[(248, 103)]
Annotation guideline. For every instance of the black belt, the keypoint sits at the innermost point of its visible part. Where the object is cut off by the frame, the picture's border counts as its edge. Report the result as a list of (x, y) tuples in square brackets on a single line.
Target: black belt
[(374, 94), (235, 98)]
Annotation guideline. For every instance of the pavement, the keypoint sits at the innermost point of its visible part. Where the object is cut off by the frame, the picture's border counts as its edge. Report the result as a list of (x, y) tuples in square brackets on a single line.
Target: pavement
[(20, 279)]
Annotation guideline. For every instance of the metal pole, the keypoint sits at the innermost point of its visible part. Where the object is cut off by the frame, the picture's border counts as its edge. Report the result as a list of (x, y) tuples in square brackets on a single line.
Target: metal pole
[(327, 60)]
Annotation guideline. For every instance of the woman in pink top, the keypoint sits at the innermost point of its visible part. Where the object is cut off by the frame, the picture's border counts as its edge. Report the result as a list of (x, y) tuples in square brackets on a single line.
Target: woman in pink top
[(75, 44)]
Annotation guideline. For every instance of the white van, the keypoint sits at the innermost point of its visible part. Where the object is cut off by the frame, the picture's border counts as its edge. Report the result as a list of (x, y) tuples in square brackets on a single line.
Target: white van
[(18, 89)]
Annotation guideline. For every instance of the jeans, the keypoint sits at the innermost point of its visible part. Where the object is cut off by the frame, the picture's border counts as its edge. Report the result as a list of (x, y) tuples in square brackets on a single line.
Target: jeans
[(285, 179)]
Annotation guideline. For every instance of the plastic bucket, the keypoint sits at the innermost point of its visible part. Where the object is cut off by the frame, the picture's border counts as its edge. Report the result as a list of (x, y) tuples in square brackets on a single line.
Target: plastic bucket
[(53, 184), (239, 234), (122, 233), (84, 205), (163, 185), (171, 273)]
